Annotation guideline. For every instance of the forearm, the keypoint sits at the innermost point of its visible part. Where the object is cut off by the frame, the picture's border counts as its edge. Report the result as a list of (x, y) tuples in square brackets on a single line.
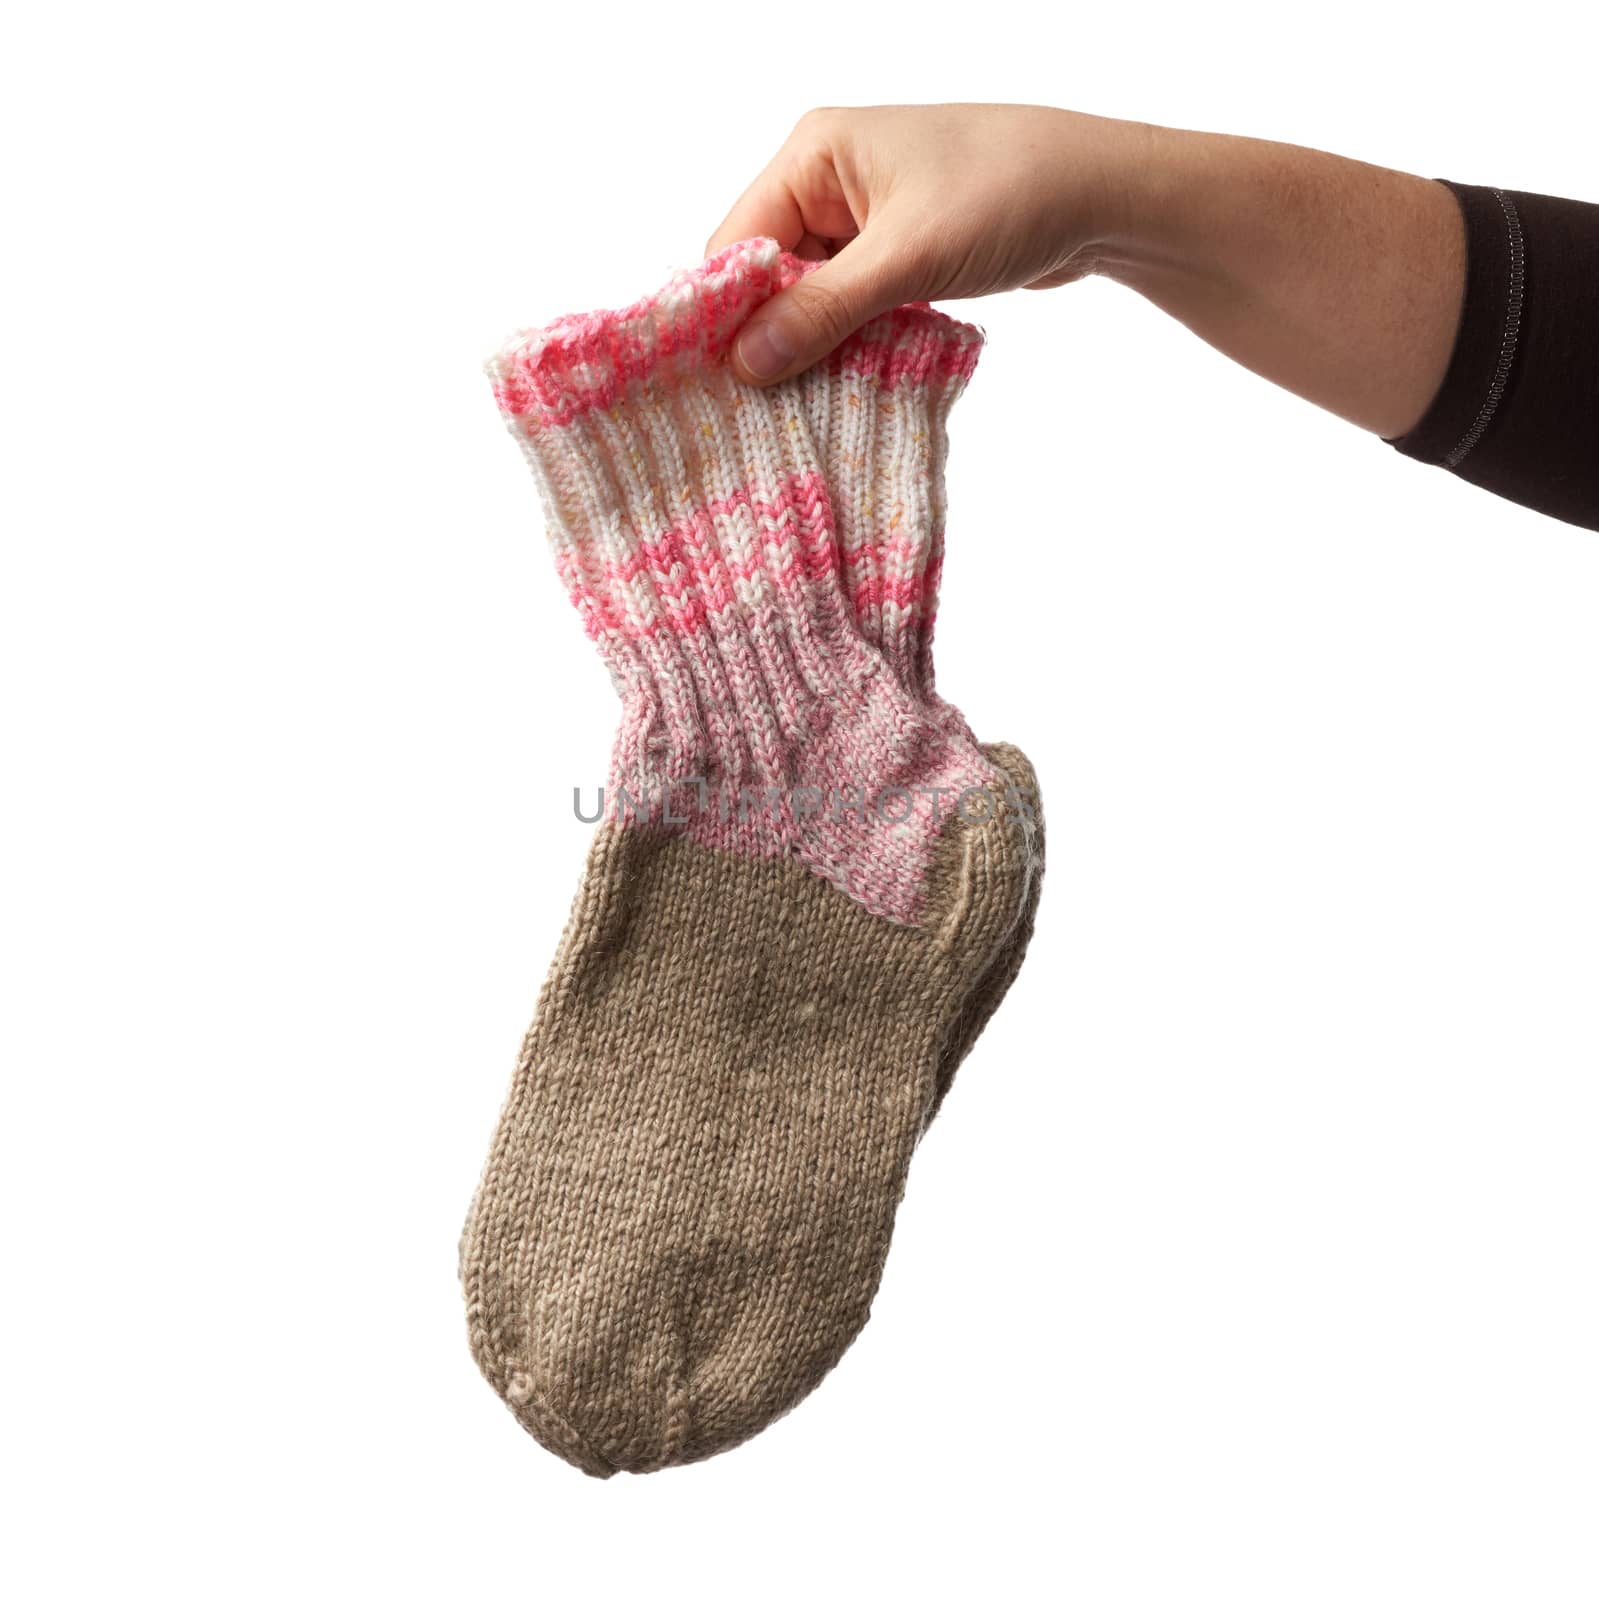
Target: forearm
[(1337, 280)]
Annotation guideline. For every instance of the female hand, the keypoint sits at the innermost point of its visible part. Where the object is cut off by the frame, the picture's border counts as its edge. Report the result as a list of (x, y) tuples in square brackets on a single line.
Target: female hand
[(933, 202)]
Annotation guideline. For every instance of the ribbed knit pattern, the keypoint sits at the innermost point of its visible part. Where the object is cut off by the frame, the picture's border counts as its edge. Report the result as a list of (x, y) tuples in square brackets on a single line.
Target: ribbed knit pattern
[(759, 568), (753, 1015)]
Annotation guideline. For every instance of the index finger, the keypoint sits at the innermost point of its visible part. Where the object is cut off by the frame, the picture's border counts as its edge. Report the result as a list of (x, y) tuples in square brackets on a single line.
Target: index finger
[(768, 208)]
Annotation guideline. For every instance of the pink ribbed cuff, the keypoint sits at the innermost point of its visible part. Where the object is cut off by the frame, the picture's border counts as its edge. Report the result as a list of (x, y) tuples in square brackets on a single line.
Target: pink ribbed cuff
[(759, 568), (552, 375)]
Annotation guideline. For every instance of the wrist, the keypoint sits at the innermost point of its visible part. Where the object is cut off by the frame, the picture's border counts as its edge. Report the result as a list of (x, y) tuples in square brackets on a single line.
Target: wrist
[(1163, 192)]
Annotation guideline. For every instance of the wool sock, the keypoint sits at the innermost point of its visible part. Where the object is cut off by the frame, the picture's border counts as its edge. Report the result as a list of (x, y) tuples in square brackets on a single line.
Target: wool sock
[(800, 899)]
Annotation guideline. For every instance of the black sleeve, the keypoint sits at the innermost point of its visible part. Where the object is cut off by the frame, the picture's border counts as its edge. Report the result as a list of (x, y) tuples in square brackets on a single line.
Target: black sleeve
[(1518, 413)]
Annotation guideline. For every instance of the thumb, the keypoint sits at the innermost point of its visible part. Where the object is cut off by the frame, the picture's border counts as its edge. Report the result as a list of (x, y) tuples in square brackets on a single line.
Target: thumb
[(795, 329)]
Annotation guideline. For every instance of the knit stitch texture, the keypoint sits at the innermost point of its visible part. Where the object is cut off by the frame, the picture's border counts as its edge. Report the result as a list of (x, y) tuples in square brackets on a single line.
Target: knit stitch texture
[(760, 569), (758, 1005)]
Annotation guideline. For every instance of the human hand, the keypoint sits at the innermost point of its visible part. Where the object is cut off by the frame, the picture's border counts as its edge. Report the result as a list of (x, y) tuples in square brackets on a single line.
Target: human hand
[(920, 203)]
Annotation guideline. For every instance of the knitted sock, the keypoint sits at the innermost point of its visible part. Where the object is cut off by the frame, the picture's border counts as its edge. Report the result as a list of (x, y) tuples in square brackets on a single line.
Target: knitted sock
[(786, 919)]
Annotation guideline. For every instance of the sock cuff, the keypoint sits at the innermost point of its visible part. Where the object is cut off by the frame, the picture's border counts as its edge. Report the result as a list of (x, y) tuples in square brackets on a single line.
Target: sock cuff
[(758, 567), (549, 376), (681, 502)]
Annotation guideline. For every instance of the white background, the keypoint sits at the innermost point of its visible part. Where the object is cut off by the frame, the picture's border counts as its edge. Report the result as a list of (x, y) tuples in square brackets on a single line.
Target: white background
[(1253, 1254)]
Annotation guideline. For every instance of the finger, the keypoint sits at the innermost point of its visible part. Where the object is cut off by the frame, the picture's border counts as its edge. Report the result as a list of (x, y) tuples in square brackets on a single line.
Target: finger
[(801, 195), (795, 329), (769, 209)]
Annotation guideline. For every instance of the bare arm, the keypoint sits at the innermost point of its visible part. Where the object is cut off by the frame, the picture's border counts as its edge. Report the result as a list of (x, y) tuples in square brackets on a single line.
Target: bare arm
[(1335, 279), (1338, 280)]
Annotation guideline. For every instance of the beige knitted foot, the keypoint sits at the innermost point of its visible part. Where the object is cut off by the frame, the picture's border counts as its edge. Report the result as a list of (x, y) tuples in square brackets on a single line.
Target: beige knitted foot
[(691, 1192)]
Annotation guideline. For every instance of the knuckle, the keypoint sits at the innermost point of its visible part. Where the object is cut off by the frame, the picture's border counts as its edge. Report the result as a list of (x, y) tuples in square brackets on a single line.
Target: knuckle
[(817, 118)]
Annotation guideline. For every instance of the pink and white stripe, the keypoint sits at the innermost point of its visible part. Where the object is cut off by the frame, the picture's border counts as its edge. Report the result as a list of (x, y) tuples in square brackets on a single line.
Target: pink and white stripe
[(759, 568)]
